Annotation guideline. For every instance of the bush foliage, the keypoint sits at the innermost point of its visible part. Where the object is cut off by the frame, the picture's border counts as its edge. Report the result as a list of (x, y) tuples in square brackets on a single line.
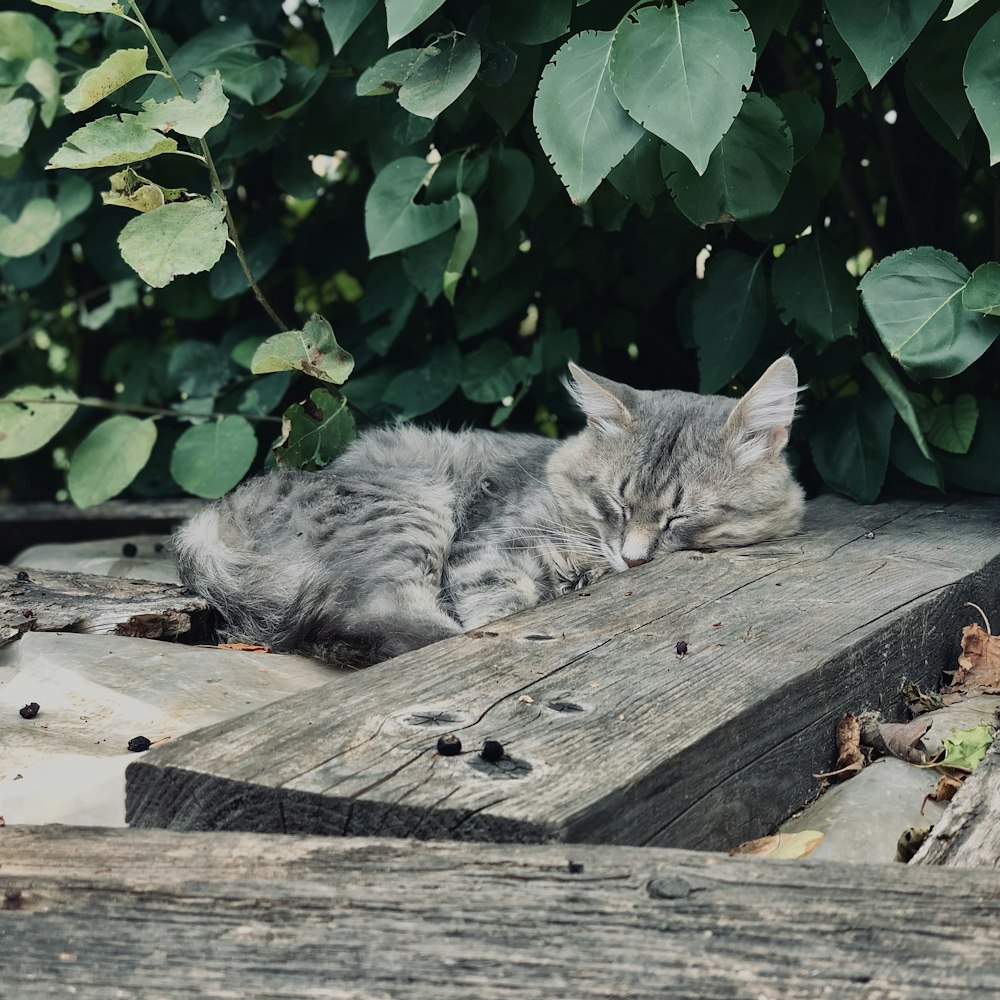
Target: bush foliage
[(441, 201)]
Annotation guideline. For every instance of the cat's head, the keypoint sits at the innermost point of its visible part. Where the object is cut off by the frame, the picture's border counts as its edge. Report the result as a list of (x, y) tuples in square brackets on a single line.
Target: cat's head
[(660, 471)]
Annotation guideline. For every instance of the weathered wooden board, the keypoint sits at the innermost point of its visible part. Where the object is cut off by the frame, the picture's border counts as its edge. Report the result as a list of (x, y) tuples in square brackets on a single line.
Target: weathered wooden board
[(48, 601), (106, 915), (968, 834), (24, 524), (611, 737)]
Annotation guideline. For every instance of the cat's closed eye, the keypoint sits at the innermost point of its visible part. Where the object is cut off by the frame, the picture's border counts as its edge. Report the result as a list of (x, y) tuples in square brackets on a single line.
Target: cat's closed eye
[(672, 520)]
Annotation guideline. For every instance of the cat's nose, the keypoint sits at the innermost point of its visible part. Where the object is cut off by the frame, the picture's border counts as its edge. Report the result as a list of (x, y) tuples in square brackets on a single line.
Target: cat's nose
[(635, 562)]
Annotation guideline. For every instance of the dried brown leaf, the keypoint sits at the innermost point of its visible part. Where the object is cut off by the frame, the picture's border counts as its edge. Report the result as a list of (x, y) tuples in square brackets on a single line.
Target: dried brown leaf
[(944, 790), (246, 647), (897, 739), (782, 845), (850, 760), (979, 665)]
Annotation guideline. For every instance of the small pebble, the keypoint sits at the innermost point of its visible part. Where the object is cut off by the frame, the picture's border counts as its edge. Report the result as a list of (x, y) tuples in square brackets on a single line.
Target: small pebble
[(682, 648), (139, 743), (22, 576), (492, 751), (575, 867), (28, 613), (30, 711), (869, 535), (449, 746), (129, 551)]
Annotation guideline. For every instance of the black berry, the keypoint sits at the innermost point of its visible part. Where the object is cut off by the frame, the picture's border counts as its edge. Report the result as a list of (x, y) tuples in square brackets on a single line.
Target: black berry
[(129, 551), (30, 711), (682, 648), (28, 613), (575, 867), (492, 751), (22, 576), (449, 746), (139, 743)]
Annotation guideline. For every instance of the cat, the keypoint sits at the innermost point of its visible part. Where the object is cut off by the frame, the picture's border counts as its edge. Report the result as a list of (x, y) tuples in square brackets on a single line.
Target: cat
[(413, 535)]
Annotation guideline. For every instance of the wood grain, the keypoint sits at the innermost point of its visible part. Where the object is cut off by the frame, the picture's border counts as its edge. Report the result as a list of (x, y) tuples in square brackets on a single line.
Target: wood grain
[(49, 601), (102, 915), (968, 834), (610, 736)]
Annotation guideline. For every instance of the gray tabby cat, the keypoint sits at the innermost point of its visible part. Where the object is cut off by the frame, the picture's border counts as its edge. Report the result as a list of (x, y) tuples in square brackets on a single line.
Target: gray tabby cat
[(414, 535)]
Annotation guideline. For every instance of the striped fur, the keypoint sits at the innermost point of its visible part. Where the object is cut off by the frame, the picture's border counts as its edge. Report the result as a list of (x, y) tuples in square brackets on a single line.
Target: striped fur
[(414, 535)]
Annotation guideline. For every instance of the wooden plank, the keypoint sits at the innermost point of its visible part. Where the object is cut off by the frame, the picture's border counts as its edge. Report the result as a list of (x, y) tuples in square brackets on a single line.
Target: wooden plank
[(610, 736), (24, 524), (968, 834), (100, 915), (48, 601)]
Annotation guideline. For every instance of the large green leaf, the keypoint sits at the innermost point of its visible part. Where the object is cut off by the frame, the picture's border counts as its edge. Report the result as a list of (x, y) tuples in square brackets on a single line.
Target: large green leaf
[(982, 82), (192, 118), (402, 16), (905, 455), (82, 6), (531, 23), (313, 350), (812, 288), (314, 432), (978, 469), (639, 176), (465, 243), (31, 416), (728, 313), (886, 377), (110, 141), (393, 220), (982, 293), (16, 119), (439, 75), (488, 373), (118, 69), (580, 124), (682, 71), (805, 119), (388, 74), (914, 299), (850, 444), (342, 18), (512, 178), (39, 221), (949, 426), (210, 459), (959, 7), (180, 238), (747, 172), (878, 32), (420, 390), (109, 458), (847, 71)]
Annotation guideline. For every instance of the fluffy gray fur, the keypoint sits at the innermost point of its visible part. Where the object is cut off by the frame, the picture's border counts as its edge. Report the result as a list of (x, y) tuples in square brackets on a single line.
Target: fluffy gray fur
[(414, 535)]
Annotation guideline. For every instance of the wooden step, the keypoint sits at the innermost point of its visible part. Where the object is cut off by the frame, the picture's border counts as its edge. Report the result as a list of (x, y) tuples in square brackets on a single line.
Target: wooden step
[(96, 914), (610, 736)]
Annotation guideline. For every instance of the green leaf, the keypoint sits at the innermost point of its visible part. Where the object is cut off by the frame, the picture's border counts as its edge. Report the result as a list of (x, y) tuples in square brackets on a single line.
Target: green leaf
[(747, 172), (27, 426), (439, 75), (109, 458), (905, 455), (900, 398), (424, 266), (951, 427), (342, 18), (805, 120), (118, 69), (388, 74), (639, 176), (506, 104), (130, 190), (180, 238), (982, 82), (393, 221), (512, 178), (580, 124), (402, 16), (959, 7), (211, 458), (487, 374), (978, 469), (82, 6), (465, 243), (192, 118), (16, 119), (198, 368), (121, 295), (252, 79), (729, 309), (847, 71), (812, 288), (420, 390), (914, 300), (38, 222), (313, 350), (531, 23), (966, 748), (44, 77), (263, 394), (682, 71), (108, 142), (314, 432), (850, 444), (982, 293), (878, 32)]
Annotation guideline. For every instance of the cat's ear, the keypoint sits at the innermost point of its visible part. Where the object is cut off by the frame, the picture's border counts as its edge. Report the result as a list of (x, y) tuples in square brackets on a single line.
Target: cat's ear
[(605, 402), (759, 423)]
